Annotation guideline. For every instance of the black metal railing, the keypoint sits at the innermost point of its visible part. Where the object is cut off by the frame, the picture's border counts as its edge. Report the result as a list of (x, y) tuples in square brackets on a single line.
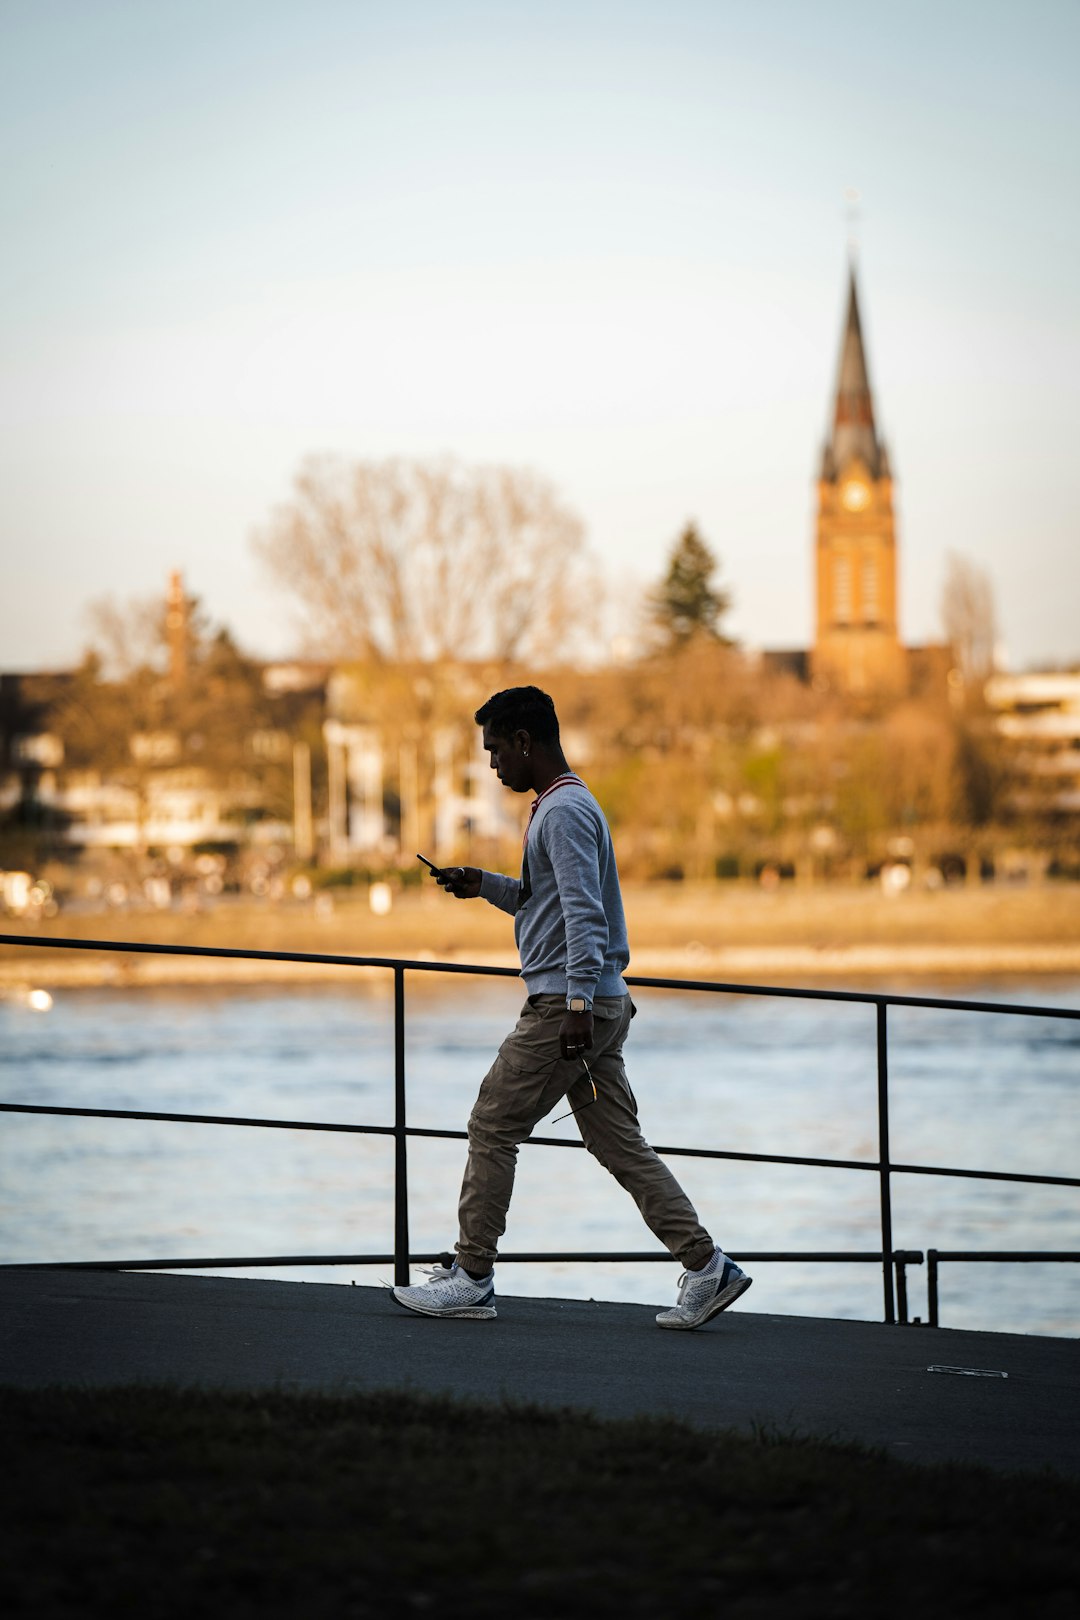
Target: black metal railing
[(893, 1262)]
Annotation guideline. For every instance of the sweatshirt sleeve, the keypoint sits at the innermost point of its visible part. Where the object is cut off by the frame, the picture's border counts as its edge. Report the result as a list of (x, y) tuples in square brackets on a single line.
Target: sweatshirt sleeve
[(570, 840), (500, 891)]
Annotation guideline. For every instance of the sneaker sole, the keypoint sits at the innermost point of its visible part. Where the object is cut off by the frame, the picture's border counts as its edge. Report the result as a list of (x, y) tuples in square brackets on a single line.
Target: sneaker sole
[(475, 1313), (719, 1303)]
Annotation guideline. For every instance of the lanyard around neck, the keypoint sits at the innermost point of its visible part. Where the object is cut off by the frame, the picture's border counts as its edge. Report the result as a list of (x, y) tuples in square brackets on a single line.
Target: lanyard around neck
[(564, 780)]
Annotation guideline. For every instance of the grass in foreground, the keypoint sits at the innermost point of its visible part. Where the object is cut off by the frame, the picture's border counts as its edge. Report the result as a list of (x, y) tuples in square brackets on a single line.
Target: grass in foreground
[(153, 1502)]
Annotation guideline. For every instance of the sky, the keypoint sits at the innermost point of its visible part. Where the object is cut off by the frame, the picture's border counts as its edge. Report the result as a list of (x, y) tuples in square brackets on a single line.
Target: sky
[(607, 241)]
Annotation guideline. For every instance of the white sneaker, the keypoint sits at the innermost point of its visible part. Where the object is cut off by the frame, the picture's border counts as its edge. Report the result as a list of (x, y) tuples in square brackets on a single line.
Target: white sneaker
[(703, 1296), (450, 1293)]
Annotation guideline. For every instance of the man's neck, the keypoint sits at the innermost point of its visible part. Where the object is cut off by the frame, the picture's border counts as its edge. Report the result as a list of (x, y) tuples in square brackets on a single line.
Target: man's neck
[(548, 768)]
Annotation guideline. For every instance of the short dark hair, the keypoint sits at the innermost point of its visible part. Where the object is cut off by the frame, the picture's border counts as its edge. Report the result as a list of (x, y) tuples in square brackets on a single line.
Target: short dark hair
[(520, 708)]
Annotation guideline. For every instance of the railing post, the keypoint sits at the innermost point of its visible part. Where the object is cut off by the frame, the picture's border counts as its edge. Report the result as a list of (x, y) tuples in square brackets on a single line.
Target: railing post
[(401, 1163), (932, 1286), (901, 1292), (884, 1167)]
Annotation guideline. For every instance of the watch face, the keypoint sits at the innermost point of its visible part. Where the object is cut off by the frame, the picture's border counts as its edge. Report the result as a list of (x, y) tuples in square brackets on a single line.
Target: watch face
[(854, 495)]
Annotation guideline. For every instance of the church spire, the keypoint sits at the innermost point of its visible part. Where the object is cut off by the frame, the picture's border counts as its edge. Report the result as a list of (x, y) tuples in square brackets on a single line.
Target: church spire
[(857, 643), (854, 434), (177, 629)]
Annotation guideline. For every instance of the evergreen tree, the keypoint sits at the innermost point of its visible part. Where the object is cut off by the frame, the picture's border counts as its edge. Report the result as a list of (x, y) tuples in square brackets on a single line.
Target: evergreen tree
[(686, 603)]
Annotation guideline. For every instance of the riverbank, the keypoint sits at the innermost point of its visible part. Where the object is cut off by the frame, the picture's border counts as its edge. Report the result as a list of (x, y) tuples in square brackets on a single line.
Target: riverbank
[(722, 932)]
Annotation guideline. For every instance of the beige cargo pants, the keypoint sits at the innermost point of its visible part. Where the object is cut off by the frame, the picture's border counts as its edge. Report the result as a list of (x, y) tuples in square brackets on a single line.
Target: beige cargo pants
[(527, 1080)]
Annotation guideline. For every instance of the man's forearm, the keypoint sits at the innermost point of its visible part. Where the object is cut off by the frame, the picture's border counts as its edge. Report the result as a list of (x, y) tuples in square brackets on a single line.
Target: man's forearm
[(500, 891)]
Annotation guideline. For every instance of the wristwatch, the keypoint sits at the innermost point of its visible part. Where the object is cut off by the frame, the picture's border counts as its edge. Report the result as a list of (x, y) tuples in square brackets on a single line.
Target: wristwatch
[(577, 1004)]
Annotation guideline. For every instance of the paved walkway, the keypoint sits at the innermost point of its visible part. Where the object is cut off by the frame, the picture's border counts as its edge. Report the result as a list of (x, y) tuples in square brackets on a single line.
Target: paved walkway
[(846, 1380)]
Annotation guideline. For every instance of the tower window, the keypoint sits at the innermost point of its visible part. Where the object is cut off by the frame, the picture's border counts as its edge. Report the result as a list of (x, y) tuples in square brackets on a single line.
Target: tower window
[(871, 604), (842, 590)]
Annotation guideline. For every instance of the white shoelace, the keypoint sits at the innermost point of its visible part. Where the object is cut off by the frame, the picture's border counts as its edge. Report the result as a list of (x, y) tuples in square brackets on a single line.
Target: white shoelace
[(440, 1273), (689, 1278), (437, 1274)]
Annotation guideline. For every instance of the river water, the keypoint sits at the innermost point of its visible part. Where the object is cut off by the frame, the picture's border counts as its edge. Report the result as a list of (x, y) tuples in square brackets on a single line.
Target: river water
[(741, 1073)]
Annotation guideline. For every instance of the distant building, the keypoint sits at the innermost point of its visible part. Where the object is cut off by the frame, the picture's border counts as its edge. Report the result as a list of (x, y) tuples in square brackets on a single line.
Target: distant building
[(857, 646), (792, 661), (177, 629), (406, 769), (151, 785), (1037, 715), (857, 650)]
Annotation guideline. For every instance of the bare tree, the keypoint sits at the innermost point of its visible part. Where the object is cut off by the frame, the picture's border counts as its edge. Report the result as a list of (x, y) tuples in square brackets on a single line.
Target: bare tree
[(409, 561), (127, 637), (970, 622)]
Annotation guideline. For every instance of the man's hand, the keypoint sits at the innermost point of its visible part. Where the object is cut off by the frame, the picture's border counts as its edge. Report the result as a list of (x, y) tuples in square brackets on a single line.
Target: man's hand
[(575, 1034), (463, 882)]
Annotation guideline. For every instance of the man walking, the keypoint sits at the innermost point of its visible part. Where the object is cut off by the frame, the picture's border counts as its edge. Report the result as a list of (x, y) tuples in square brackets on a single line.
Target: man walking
[(571, 937)]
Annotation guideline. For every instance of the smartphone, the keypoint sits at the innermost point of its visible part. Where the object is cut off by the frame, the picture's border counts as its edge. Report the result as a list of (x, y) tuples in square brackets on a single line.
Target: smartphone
[(444, 874)]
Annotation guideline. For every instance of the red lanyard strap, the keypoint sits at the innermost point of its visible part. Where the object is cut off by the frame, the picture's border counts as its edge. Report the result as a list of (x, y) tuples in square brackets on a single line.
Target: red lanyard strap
[(560, 781)]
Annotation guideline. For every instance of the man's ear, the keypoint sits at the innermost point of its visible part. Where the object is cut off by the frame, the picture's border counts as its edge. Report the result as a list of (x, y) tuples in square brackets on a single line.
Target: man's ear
[(523, 740)]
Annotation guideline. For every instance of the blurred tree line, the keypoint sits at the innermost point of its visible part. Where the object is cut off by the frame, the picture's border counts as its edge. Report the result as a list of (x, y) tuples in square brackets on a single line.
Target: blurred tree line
[(709, 764), (429, 584)]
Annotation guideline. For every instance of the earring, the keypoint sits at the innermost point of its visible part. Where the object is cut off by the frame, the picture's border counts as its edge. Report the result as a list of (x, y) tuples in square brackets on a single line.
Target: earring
[(525, 751)]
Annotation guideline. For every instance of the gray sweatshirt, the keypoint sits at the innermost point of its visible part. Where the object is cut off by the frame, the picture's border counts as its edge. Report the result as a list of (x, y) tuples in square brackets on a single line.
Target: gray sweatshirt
[(570, 927)]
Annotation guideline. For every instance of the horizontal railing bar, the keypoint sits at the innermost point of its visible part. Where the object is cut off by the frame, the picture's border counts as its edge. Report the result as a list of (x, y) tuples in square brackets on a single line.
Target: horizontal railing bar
[(871, 998), (865, 997), (910, 1257), (322, 958), (430, 1132), (682, 1152), (196, 1119), (985, 1175), (1004, 1254), (858, 1164), (410, 1130), (209, 1262)]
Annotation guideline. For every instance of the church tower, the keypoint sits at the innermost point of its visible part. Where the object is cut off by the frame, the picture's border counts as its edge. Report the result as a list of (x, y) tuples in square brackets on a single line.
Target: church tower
[(856, 643), (177, 630)]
